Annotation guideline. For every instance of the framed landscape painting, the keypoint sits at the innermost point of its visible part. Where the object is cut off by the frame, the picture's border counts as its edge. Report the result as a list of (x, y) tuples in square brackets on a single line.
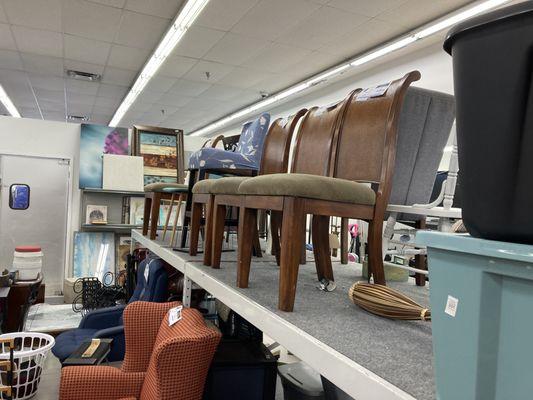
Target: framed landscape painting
[(162, 151), (94, 254)]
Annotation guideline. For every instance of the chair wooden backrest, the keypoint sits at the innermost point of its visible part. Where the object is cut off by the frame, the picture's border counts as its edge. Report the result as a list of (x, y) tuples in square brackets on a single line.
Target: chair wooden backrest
[(366, 146), (316, 139), (275, 157)]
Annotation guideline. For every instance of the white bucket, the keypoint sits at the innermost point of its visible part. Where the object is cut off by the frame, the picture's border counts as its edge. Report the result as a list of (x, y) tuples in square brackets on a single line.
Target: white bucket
[(29, 264)]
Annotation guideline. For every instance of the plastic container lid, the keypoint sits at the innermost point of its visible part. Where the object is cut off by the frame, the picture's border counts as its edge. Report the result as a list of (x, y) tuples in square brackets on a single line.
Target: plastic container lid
[(28, 249), (302, 378), (485, 19)]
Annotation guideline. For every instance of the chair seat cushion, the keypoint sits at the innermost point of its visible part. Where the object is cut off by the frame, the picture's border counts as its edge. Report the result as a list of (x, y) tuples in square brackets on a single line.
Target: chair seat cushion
[(210, 158), (165, 187), (309, 186), (67, 342), (228, 185)]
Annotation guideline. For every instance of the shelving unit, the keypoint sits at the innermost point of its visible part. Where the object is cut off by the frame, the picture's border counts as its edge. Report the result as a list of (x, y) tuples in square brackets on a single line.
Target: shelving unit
[(369, 357)]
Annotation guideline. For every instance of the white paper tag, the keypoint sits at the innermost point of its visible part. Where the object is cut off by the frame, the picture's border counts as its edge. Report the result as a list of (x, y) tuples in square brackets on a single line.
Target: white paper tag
[(451, 306), (371, 92), (174, 315)]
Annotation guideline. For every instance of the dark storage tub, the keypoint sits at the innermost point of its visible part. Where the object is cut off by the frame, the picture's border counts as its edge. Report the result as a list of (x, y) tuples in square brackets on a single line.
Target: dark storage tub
[(493, 79), (300, 382)]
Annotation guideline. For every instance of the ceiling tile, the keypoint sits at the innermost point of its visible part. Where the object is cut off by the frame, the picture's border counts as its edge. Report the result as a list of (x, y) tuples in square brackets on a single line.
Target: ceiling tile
[(323, 26), (84, 66), (365, 7), (197, 42), (38, 41), (276, 57), (81, 87), (87, 50), (42, 14), (10, 60), (177, 66), (3, 17), (223, 14), (112, 91), (101, 118), (414, 13), (118, 76), (163, 109), (42, 64), (83, 108), (222, 92), (130, 34), (100, 109), (54, 115), (174, 99), (244, 77), (90, 20), (47, 82), (216, 71), (107, 102), (127, 57), (57, 96), (189, 88), (368, 35), (160, 8), (277, 83), (29, 112), (112, 3), (234, 49), (26, 100), (150, 96), (160, 84), (270, 18), (47, 105), (6, 38)]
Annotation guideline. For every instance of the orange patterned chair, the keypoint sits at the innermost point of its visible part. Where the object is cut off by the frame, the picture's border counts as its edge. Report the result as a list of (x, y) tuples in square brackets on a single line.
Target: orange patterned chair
[(162, 362)]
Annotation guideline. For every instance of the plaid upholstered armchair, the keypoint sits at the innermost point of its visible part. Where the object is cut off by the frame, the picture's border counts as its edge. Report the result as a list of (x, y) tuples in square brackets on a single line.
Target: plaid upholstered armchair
[(162, 362)]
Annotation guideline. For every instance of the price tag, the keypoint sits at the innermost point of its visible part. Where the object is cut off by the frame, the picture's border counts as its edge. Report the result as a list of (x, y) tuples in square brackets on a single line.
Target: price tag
[(174, 315), (369, 93), (451, 306)]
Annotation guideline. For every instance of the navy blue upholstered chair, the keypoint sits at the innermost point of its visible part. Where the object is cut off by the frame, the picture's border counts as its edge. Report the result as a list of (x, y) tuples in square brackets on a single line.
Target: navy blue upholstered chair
[(107, 322)]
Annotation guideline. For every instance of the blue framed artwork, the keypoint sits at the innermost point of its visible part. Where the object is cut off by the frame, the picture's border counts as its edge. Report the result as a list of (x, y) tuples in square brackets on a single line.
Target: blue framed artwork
[(96, 140), (94, 254)]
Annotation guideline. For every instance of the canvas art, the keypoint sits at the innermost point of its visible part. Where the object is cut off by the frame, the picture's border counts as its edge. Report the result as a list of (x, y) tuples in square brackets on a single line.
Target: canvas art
[(123, 249), (96, 214), (96, 140), (136, 210), (94, 254)]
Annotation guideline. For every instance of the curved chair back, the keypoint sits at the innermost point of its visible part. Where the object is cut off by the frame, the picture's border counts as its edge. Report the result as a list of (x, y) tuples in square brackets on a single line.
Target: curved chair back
[(253, 137), (275, 157), (155, 287), (316, 139), (181, 358), (366, 146)]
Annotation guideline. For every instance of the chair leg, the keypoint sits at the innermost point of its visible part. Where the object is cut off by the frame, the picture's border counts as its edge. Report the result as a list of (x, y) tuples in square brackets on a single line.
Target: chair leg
[(247, 221), (320, 231), (375, 252), (292, 229), (176, 219), (208, 235), (420, 259), (344, 241), (154, 215), (256, 243), (146, 217), (303, 249), (196, 220), (167, 220), (219, 219), (275, 226)]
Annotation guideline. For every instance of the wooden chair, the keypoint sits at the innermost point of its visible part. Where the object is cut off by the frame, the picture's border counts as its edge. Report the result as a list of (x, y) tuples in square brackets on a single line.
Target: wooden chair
[(275, 159), (355, 183)]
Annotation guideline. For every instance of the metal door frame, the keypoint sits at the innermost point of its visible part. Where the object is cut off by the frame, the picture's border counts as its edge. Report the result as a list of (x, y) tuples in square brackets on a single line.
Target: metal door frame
[(70, 196)]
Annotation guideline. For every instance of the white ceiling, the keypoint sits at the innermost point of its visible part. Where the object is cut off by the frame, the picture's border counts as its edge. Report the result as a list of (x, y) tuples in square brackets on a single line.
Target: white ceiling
[(247, 46)]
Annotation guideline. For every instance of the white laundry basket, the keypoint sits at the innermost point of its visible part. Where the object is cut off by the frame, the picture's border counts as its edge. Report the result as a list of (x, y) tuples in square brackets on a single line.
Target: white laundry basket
[(31, 349)]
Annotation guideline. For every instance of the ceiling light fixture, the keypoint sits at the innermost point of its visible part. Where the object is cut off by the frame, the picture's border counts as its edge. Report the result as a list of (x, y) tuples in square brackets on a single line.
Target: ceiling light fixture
[(425, 31), (8, 104), (181, 24)]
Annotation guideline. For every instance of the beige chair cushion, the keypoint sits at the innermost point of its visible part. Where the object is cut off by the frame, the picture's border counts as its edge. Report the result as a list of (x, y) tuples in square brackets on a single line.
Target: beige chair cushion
[(165, 187), (229, 185), (310, 187)]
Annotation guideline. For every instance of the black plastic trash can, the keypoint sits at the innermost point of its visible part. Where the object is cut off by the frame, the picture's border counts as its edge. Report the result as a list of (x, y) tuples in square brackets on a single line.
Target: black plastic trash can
[(300, 382), (493, 79)]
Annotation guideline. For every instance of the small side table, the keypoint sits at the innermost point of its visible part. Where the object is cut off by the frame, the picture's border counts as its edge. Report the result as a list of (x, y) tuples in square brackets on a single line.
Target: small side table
[(98, 357)]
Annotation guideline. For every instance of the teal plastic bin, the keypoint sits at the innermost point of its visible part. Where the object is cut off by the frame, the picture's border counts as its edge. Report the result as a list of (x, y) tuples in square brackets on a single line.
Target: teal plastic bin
[(481, 295)]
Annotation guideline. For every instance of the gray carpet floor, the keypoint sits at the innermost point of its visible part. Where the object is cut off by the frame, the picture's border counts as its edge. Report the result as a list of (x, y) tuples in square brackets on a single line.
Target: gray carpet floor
[(398, 351)]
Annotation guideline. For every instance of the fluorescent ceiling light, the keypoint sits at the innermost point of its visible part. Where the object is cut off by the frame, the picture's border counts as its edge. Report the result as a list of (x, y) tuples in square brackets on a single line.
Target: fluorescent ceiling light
[(181, 24), (374, 54), (8, 104)]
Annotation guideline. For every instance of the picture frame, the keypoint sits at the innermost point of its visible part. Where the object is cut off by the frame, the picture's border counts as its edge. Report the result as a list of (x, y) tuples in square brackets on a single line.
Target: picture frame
[(163, 153), (96, 214)]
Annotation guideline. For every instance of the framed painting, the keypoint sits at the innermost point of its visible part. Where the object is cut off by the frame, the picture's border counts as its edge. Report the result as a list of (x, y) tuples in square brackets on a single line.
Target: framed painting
[(162, 151), (95, 141), (94, 254)]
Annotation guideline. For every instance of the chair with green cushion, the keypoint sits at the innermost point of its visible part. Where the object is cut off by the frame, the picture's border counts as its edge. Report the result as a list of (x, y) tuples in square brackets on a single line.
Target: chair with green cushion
[(274, 159), (153, 194)]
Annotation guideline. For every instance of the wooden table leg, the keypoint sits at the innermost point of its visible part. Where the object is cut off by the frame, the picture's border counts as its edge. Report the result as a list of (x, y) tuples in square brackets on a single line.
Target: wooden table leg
[(420, 259), (344, 241)]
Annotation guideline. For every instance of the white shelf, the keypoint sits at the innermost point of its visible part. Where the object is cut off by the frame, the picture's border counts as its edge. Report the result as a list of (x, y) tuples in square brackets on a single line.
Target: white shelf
[(354, 379)]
